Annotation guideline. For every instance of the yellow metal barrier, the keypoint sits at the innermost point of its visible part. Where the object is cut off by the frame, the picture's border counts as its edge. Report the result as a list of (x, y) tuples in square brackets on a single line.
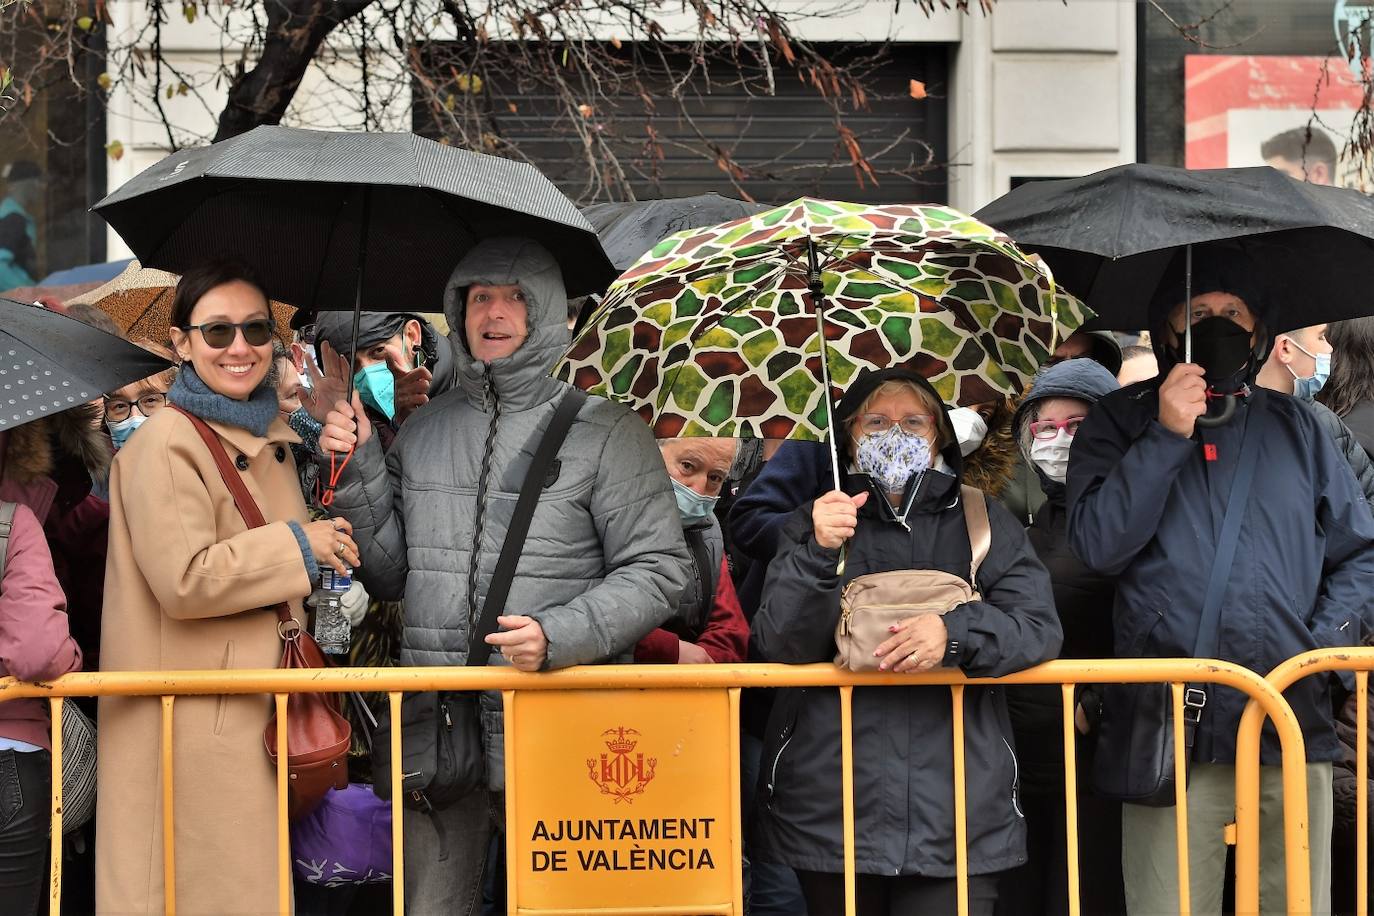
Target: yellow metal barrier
[(1265, 697), (1319, 661)]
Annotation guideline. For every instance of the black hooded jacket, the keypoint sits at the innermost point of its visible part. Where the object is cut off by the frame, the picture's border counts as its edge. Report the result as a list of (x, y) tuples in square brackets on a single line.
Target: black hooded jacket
[(903, 738), (1083, 598)]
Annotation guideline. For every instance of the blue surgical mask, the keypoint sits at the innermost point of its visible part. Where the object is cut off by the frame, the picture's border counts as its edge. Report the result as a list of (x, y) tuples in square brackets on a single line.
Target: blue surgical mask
[(305, 426), (121, 431), (1306, 389), (892, 458), (377, 387), (691, 505)]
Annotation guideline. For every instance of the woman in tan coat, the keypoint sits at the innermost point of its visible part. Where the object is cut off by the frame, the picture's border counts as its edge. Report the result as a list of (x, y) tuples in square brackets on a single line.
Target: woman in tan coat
[(188, 586)]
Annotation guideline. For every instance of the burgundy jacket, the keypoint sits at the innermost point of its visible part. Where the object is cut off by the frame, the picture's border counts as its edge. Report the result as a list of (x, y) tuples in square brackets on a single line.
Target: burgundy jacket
[(35, 643), (725, 639)]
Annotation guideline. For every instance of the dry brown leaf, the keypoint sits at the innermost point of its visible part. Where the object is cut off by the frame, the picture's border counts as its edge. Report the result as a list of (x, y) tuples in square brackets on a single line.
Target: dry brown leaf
[(918, 90)]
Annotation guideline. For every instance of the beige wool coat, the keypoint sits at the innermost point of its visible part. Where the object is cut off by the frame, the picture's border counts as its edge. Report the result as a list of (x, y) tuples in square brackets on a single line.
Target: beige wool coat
[(185, 587)]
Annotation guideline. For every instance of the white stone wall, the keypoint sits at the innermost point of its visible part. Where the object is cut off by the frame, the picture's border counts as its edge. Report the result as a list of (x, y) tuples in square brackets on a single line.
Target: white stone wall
[(1036, 88), (1041, 88)]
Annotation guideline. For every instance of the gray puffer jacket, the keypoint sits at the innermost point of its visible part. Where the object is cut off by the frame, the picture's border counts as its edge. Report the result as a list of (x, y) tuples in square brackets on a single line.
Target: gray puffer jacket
[(604, 562)]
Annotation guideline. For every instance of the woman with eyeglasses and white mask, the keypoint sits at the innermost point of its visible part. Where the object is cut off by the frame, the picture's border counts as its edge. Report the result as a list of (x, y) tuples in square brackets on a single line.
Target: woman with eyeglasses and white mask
[(190, 586), (1045, 425), (900, 508)]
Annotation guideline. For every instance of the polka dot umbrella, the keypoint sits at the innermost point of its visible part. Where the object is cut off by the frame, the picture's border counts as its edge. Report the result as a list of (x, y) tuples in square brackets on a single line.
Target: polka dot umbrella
[(50, 363)]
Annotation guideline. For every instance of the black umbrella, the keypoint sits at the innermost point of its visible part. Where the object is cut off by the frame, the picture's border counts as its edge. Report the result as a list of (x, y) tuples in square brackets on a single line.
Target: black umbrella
[(630, 229), (50, 363), (331, 220), (1109, 237)]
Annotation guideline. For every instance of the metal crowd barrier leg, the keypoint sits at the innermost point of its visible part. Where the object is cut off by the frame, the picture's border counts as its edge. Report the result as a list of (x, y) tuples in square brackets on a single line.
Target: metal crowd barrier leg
[(398, 856), (847, 787), (283, 830), (1185, 890), (960, 803), (55, 827), (1297, 852), (1071, 797), (736, 816), (169, 842), (1362, 793)]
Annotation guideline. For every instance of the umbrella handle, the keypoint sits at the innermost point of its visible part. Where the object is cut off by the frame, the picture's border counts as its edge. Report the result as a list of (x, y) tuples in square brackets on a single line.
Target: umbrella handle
[(1227, 412)]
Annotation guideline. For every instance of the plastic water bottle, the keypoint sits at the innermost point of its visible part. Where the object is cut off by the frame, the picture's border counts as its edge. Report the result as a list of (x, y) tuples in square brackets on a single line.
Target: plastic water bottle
[(332, 630)]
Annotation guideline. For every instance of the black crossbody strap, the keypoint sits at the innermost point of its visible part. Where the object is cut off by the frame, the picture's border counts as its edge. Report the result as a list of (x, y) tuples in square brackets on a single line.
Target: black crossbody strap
[(1209, 627), (514, 544), (1208, 642)]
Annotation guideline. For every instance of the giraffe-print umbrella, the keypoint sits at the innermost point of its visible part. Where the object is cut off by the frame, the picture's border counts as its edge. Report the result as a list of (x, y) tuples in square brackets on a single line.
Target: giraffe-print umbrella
[(714, 332)]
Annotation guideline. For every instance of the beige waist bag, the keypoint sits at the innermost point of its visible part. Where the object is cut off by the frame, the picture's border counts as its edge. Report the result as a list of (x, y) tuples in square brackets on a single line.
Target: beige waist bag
[(872, 603)]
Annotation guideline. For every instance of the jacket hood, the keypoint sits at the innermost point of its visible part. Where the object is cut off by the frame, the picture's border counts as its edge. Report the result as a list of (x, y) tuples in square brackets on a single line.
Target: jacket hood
[(376, 327), (42, 448), (991, 465), (522, 379), (1217, 268), (1084, 379), (924, 491)]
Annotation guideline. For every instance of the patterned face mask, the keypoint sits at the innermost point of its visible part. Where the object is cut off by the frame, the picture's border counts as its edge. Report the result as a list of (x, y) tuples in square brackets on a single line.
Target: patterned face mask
[(891, 458)]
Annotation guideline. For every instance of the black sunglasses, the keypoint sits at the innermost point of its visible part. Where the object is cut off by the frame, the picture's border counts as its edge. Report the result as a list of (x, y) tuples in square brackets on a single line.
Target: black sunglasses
[(220, 334)]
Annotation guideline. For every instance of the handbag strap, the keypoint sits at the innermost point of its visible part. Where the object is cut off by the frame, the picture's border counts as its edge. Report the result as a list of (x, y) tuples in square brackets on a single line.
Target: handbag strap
[(514, 544), (6, 525), (1209, 628), (247, 506), (979, 529)]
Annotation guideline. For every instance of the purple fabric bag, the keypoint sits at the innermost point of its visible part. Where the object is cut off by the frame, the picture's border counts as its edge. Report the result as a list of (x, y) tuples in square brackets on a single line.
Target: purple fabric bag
[(346, 840)]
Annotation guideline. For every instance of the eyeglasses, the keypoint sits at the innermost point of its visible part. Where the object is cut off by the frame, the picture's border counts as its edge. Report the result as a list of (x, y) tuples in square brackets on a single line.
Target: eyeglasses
[(220, 334), (118, 409), (915, 424), (1048, 429)]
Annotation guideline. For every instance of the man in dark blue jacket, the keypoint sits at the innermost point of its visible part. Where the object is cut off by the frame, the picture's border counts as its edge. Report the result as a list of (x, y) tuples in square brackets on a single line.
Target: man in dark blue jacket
[(1148, 491)]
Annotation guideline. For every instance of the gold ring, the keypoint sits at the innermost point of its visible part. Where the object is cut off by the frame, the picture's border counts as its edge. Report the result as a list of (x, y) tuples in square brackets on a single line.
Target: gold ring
[(338, 551)]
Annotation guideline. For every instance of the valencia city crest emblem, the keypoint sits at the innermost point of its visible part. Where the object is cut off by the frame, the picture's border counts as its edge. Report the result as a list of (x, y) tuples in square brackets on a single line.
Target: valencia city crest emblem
[(621, 772)]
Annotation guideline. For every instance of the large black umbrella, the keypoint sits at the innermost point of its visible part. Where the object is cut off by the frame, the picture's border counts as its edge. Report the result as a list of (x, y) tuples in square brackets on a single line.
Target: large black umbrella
[(50, 363), (1109, 237), (331, 220), (631, 228)]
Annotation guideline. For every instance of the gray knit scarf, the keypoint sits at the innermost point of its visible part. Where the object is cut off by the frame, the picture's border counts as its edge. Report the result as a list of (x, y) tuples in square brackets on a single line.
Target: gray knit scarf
[(255, 414)]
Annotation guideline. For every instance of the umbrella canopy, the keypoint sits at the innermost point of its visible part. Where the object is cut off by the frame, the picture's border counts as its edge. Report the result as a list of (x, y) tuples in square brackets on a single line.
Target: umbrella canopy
[(98, 273), (631, 228), (714, 332), (50, 363), (330, 220), (1110, 237), (140, 302)]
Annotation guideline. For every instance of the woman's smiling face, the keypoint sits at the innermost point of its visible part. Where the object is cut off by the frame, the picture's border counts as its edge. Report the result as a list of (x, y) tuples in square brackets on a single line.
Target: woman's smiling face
[(236, 370)]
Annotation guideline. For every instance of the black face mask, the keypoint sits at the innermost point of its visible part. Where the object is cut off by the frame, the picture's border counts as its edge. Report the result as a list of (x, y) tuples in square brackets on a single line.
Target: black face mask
[(1221, 347)]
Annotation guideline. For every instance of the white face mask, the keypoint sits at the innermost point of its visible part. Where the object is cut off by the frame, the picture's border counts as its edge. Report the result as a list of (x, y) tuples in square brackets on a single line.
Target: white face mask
[(1051, 456), (969, 428)]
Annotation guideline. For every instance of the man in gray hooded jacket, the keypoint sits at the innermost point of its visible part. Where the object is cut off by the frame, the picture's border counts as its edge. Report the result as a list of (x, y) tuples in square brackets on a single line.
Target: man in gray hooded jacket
[(604, 562)]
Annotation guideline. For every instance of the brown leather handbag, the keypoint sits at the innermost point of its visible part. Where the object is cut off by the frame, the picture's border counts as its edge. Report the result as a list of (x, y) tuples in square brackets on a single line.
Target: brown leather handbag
[(317, 735), (872, 603)]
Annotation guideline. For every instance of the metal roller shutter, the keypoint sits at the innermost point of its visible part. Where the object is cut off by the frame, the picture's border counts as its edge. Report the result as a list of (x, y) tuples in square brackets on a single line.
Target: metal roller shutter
[(768, 135)]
